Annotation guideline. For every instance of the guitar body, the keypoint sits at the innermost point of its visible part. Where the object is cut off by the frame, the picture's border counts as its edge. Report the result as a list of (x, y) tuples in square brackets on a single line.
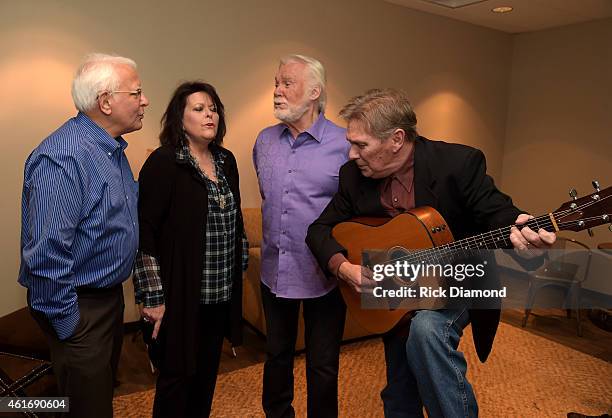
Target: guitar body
[(418, 228)]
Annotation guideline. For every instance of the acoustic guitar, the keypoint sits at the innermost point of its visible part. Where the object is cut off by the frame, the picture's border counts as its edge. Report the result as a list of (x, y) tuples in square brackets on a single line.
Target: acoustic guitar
[(425, 235)]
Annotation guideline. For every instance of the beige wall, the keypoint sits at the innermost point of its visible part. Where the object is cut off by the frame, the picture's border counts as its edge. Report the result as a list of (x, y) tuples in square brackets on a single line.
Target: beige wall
[(559, 129), (456, 74)]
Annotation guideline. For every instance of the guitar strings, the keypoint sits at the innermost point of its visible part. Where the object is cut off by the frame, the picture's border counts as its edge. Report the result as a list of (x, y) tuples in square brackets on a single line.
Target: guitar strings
[(451, 249)]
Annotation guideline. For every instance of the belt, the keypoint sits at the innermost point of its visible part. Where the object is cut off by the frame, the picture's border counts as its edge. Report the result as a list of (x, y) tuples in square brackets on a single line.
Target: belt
[(92, 291)]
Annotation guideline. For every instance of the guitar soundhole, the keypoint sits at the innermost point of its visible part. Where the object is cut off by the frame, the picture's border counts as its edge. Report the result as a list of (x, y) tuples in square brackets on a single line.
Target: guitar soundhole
[(397, 253)]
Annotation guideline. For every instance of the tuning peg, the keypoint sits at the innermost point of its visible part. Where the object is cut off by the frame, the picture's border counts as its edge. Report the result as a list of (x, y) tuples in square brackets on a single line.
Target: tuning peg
[(573, 193), (610, 227), (595, 184)]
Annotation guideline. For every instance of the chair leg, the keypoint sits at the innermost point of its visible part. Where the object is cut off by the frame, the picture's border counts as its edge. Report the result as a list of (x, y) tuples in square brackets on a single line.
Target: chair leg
[(527, 312), (575, 290), (530, 299)]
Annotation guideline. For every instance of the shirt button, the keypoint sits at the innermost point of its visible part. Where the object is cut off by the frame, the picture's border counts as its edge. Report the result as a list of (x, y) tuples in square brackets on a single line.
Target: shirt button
[(109, 154), (284, 211), (395, 199), (289, 171), (286, 191)]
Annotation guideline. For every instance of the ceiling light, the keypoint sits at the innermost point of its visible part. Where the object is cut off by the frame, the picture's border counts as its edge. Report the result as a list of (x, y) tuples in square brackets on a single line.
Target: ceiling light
[(502, 9)]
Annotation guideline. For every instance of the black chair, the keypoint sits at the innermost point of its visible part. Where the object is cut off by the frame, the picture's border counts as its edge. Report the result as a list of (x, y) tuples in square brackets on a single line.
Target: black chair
[(566, 266)]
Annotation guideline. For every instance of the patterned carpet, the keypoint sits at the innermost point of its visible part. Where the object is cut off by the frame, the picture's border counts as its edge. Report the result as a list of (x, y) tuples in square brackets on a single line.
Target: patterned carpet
[(526, 376)]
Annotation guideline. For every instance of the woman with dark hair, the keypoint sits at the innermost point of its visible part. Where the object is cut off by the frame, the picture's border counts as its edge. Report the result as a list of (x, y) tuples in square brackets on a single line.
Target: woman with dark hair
[(192, 250)]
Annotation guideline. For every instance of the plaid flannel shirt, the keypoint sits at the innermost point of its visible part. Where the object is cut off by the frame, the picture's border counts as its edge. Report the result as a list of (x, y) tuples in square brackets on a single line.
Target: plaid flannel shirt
[(218, 255)]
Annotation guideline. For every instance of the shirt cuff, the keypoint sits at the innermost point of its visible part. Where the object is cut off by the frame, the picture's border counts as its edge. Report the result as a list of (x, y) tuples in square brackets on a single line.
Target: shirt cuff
[(66, 325), (148, 288), (334, 263), (152, 299), (245, 252)]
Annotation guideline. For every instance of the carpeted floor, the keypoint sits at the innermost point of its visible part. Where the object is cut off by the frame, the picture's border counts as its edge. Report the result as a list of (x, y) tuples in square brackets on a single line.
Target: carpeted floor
[(526, 376)]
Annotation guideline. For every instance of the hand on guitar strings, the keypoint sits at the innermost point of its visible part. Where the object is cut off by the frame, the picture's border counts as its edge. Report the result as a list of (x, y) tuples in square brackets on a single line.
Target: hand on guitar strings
[(358, 277), (528, 243)]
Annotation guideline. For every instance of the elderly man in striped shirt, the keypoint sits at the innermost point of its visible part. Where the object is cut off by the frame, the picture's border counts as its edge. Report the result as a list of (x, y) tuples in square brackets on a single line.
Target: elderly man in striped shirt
[(79, 231)]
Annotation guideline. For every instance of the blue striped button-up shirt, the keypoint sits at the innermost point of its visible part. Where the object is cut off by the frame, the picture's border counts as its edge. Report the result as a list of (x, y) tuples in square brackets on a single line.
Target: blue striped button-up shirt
[(79, 219)]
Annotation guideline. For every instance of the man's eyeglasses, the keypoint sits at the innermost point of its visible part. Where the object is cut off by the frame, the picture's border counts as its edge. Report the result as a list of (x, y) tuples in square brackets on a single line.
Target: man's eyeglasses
[(134, 93)]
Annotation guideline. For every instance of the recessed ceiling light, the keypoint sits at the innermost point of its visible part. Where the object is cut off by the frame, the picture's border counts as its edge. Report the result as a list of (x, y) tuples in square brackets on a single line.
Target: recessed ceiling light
[(502, 9)]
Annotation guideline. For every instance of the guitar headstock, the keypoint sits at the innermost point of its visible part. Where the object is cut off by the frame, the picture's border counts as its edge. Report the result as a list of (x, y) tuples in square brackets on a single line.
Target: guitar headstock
[(585, 212)]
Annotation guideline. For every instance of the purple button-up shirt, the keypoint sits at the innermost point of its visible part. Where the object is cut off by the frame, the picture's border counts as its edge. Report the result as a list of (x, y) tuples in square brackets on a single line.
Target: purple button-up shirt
[(297, 178)]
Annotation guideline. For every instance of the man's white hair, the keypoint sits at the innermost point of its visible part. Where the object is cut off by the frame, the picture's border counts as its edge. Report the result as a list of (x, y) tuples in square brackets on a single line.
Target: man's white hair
[(317, 74), (95, 75)]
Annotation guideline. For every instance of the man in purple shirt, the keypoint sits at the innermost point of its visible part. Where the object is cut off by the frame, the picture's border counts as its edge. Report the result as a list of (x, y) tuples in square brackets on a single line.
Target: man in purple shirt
[(297, 163)]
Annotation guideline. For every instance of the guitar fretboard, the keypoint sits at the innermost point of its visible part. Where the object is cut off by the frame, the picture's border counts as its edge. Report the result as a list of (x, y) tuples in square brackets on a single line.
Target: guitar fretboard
[(467, 247)]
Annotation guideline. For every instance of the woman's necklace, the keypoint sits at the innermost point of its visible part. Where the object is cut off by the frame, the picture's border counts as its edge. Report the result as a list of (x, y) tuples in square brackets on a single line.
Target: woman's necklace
[(220, 198)]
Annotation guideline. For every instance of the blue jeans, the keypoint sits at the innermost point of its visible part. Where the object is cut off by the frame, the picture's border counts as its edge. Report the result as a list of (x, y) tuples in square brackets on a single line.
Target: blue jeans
[(425, 368)]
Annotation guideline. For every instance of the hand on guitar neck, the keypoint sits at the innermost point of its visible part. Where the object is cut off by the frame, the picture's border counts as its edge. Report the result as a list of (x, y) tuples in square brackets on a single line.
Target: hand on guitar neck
[(529, 243)]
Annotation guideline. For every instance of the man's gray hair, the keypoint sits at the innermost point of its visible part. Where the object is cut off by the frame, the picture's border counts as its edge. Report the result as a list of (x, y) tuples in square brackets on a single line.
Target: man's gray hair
[(317, 74), (95, 75), (382, 111)]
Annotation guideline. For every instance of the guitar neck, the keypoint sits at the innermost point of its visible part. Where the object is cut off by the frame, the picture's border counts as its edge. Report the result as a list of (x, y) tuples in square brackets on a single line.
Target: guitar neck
[(576, 215), (500, 238), (492, 240)]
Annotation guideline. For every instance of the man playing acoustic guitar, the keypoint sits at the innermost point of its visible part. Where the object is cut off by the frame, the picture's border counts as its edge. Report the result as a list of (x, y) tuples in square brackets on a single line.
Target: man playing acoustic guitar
[(391, 170)]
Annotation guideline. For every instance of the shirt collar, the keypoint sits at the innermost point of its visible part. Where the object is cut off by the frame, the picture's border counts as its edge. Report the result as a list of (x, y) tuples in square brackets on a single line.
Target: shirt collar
[(99, 136), (316, 130), (183, 155), (405, 174)]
